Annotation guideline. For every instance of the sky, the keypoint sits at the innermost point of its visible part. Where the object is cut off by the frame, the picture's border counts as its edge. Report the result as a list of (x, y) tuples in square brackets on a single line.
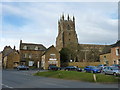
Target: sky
[(37, 22)]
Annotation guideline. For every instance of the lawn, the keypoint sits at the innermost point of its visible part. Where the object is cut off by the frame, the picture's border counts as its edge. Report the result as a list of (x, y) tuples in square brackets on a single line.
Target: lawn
[(81, 76)]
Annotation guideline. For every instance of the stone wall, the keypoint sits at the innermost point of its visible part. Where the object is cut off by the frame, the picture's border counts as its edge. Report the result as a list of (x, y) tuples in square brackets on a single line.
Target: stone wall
[(82, 64)]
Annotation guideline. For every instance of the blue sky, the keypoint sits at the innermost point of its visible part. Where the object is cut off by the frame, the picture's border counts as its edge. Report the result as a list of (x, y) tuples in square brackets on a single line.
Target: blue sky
[(33, 22)]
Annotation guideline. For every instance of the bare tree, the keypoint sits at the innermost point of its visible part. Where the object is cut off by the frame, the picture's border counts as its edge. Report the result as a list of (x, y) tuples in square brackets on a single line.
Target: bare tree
[(93, 55)]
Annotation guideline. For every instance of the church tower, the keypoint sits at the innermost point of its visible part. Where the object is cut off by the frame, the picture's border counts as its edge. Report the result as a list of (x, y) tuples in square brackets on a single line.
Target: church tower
[(66, 32)]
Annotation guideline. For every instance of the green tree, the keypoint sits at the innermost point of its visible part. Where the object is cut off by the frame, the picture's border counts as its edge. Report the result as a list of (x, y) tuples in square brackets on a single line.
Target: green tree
[(73, 51), (64, 55)]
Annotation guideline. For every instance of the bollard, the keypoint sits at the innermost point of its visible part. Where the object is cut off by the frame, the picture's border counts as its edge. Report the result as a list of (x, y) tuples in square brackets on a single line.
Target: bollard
[(94, 76)]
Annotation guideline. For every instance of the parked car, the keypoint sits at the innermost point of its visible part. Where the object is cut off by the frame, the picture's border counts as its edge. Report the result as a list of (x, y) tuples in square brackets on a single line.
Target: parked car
[(92, 69), (53, 67), (101, 66), (103, 69), (73, 68), (22, 67), (70, 68), (112, 70), (116, 65)]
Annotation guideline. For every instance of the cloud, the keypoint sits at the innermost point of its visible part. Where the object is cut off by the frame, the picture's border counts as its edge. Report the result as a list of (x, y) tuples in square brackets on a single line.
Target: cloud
[(37, 22), (61, 1)]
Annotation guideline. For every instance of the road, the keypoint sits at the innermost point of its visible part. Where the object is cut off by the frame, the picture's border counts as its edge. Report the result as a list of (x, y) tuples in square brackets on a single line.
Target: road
[(25, 79)]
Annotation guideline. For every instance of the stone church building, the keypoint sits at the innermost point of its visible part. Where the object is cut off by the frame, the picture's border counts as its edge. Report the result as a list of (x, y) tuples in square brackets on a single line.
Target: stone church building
[(67, 36)]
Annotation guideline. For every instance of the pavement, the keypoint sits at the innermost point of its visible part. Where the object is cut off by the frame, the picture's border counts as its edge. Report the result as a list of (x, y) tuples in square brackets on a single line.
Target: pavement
[(24, 79)]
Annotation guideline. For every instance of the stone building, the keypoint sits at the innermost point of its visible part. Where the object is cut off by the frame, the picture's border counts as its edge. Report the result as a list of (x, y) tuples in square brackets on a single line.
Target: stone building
[(67, 37), (66, 33), (112, 56), (30, 54), (115, 52), (36, 55), (50, 57), (10, 58)]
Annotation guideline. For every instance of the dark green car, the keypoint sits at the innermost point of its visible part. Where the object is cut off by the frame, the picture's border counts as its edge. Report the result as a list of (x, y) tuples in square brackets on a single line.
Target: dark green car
[(52, 67)]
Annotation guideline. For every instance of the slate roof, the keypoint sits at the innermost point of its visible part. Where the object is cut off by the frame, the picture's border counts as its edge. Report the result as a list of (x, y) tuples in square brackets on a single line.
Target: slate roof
[(117, 44), (32, 46), (8, 50)]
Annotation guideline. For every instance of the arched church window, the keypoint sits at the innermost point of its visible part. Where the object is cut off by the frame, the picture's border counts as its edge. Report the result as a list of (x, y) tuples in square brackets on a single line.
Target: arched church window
[(68, 27)]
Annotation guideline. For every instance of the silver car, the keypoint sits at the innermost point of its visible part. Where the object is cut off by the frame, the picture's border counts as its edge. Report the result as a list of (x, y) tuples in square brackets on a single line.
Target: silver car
[(111, 70), (22, 67)]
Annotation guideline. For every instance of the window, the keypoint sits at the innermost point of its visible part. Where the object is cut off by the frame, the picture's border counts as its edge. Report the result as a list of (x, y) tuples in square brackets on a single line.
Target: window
[(117, 52), (36, 48), (25, 47), (68, 27), (52, 57), (31, 63), (104, 56), (105, 67), (114, 62), (25, 55)]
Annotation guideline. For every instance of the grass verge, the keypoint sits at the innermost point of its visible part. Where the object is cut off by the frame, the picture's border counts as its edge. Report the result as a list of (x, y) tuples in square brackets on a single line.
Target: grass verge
[(81, 76)]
